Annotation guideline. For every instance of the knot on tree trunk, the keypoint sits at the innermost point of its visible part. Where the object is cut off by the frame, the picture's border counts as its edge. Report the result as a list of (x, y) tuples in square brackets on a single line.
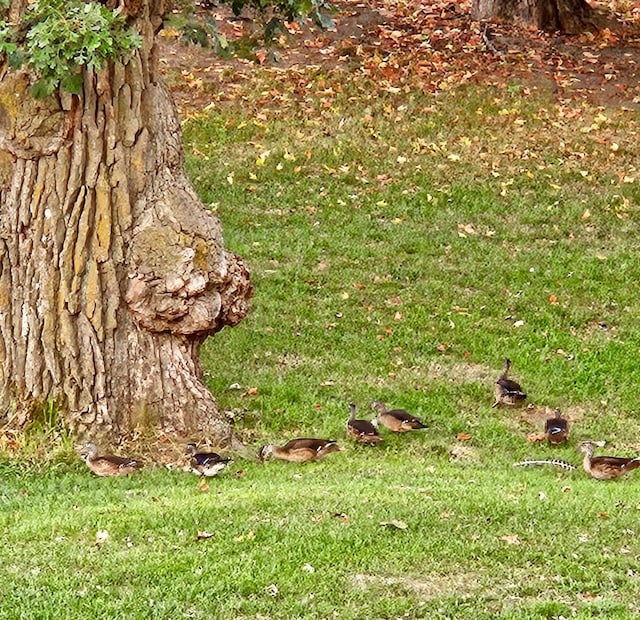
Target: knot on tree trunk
[(236, 292), (182, 281)]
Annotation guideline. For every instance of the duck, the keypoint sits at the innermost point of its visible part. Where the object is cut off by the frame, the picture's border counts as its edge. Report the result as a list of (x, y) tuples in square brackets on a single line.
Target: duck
[(556, 429), (107, 464), (206, 464), (363, 431), (606, 467), (300, 450), (507, 391), (396, 420)]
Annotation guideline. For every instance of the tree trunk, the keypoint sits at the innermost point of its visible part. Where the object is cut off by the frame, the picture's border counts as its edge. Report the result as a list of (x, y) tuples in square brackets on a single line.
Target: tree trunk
[(112, 273), (549, 15)]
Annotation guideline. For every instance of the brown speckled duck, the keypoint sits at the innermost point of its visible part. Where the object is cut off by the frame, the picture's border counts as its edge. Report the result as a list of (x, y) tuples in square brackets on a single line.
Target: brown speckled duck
[(206, 464), (507, 391), (396, 420), (363, 431), (300, 450), (605, 467), (107, 465), (556, 429)]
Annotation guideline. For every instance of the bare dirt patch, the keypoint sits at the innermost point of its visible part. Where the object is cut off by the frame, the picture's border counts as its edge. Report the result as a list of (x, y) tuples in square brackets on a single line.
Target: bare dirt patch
[(463, 372), (427, 587)]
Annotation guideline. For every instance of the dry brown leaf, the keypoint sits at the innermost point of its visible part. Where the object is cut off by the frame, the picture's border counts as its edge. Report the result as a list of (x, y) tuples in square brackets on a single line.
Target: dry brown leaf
[(101, 538), (534, 438)]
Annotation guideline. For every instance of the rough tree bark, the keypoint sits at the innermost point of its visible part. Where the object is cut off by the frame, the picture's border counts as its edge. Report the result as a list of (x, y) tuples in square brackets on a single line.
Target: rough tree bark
[(549, 15), (112, 273)]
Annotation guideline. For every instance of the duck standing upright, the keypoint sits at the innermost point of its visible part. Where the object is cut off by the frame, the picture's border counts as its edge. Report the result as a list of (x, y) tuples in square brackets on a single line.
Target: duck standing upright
[(107, 464), (396, 420), (507, 391), (300, 450), (362, 431), (556, 429), (605, 467), (206, 464)]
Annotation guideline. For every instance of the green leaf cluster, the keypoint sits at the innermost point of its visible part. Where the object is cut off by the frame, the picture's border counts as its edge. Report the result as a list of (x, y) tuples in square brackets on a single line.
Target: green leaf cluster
[(58, 38), (269, 13), (288, 9)]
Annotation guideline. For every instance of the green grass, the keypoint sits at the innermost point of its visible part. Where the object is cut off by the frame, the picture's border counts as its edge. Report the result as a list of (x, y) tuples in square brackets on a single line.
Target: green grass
[(292, 542), (395, 242)]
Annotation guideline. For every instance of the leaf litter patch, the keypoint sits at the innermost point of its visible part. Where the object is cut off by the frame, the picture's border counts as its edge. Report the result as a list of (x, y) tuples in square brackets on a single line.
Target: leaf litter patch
[(402, 46)]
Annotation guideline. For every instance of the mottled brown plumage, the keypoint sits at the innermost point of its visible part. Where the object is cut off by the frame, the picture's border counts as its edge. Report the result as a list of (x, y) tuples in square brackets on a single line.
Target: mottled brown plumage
[(556, 429), (606, 467), (362, 431), (300, 450), (107, 465), (507, 391), (396, 420)]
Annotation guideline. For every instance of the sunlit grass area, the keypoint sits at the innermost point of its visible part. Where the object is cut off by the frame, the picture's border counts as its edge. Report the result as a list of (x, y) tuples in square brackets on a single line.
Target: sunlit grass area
[(401, 245)]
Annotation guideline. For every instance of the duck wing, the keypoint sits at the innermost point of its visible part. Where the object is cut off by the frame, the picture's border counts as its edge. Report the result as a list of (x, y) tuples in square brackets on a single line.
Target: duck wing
[(207, 458), (406, 418), (307, 443), (509, 387), (617, 462), (119, 461), (556, 426), (363, 427)]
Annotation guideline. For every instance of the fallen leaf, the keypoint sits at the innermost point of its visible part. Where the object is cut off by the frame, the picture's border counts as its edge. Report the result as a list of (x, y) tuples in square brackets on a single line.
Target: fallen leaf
[(101, 537), (394, 523), (203, 486), (533, 438), (511, 539), (250, 535), (272, 590), (463, 436), (204, 535)]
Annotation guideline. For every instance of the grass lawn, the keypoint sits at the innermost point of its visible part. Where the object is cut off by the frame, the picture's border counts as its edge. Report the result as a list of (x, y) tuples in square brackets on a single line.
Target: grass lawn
[(401, 245), (399, 532)]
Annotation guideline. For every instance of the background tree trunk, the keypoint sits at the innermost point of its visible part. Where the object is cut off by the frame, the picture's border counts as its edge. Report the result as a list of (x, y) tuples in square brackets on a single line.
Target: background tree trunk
[(549, 15), (111, 271)]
